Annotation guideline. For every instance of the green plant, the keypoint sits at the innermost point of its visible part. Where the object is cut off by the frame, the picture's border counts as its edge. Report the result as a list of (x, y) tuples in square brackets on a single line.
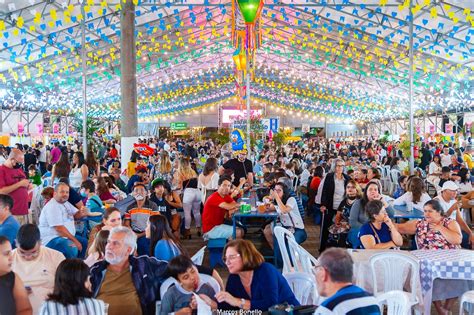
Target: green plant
[(93, 125), (279, 138)]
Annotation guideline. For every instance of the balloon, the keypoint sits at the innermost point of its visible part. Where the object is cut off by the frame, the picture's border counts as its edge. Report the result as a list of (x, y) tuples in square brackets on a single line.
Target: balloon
[(237, 140)]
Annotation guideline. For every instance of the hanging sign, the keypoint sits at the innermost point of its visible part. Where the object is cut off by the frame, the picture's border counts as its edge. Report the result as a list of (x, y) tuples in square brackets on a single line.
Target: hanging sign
[(179, 125), (448, 128), (55, 128), (39, 128), (21, 127)]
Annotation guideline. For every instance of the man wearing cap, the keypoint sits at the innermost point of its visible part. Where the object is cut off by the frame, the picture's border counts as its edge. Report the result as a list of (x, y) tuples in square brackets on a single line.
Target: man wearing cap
[(242, 168), (452, 209)]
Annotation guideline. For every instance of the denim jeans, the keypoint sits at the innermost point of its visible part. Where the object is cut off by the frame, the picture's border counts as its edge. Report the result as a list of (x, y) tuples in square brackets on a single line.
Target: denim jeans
[(67, 247)]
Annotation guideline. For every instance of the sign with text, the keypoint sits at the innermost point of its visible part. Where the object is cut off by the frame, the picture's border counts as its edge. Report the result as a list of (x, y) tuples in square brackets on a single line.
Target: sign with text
[(179, 125), (271, 124)]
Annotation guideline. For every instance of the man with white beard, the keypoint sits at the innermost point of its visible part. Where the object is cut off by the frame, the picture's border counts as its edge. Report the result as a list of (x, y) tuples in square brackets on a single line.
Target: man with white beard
[(127, 283)]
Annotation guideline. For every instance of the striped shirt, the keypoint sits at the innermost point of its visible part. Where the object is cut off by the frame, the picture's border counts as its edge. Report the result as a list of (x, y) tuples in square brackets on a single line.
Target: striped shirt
[(85, 306), (139, 216), (350, 300)]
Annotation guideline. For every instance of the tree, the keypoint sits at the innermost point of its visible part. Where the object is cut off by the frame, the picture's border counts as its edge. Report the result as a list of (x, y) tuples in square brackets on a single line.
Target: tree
[(93, 126)]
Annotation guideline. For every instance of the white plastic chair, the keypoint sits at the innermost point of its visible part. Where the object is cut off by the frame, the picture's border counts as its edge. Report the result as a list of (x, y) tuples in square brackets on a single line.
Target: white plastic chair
[(303, 287), (204, 278), (467, 297), (199, 256), (305, 262), (281, 235), (394, 175), (392, 265), (397, 303)]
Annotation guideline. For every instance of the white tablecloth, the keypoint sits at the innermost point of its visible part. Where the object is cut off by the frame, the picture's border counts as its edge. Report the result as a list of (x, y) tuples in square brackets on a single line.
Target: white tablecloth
[(442, 264)]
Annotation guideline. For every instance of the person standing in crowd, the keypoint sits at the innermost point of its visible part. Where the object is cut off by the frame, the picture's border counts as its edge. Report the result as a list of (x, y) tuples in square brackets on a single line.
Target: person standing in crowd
[(445, 157), (138, 214), (186, 179), (334, 277), (61, 169), (55, 153), (56, 224), (124, 281), (35, 264), (9, 226), (334, 187), (79, 171), (42, 158), (13, 182), (30, 157), (13, 295), (72, 291), (208, 180), (242, 168)]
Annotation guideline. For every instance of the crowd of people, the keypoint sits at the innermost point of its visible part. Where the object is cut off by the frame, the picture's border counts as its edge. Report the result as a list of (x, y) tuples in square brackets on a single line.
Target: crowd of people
[(96, 234)]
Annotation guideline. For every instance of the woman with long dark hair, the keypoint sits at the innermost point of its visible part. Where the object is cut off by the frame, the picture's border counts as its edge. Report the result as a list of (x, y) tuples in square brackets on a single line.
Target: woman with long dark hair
[(72, 291), (61, 168), (92, 164), (163, 244), (79, 171)]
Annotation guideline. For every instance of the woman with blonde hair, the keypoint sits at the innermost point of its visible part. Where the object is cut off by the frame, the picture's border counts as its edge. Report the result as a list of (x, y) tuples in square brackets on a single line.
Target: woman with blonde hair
[(163, 169), (186, 179)]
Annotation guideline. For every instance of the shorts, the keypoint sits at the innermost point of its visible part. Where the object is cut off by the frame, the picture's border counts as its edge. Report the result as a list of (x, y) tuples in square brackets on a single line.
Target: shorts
[(219, 231)]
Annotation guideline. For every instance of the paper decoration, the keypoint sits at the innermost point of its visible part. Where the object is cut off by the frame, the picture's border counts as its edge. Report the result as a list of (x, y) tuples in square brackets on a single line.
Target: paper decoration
[(237, 140)]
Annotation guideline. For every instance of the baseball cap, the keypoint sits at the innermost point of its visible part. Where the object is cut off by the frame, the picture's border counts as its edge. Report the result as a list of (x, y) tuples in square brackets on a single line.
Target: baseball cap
[(450, 185)]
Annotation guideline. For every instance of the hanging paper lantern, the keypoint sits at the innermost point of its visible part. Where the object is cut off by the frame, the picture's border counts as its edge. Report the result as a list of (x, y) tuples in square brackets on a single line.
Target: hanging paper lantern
[(250, 9), (240, 60)]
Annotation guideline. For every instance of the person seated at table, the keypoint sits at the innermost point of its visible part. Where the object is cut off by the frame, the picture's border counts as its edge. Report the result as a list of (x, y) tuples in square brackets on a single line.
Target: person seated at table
[(13, 294), (358, 216), (380, 232), (288, 213), (444, 177), (111, 219), (435, 230), (463, 180), (163, 244), (415, 194), (468, 202), (253, 284), (179, 298), (334, 280), (401, 188), (452, 208), (219, 205)]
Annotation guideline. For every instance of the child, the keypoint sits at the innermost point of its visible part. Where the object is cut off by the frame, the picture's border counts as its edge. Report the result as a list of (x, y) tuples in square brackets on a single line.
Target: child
[(179, 297), (34, 175)]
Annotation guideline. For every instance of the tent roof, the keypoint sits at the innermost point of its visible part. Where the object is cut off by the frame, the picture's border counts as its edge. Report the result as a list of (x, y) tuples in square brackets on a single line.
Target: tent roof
[(340, 58)]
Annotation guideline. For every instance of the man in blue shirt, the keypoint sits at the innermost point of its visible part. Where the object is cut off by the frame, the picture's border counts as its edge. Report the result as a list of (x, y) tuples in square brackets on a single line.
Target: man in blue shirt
[(334, 279), (9, 226)]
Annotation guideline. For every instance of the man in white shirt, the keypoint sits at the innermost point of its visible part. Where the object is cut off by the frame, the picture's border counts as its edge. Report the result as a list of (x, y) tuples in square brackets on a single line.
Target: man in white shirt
[(35, 264), (42, 157), (56, 224), (452, 209)]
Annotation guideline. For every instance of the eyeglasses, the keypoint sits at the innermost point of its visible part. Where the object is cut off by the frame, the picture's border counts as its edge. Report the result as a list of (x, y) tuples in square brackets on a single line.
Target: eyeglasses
[(230, 258), (340, 165)]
